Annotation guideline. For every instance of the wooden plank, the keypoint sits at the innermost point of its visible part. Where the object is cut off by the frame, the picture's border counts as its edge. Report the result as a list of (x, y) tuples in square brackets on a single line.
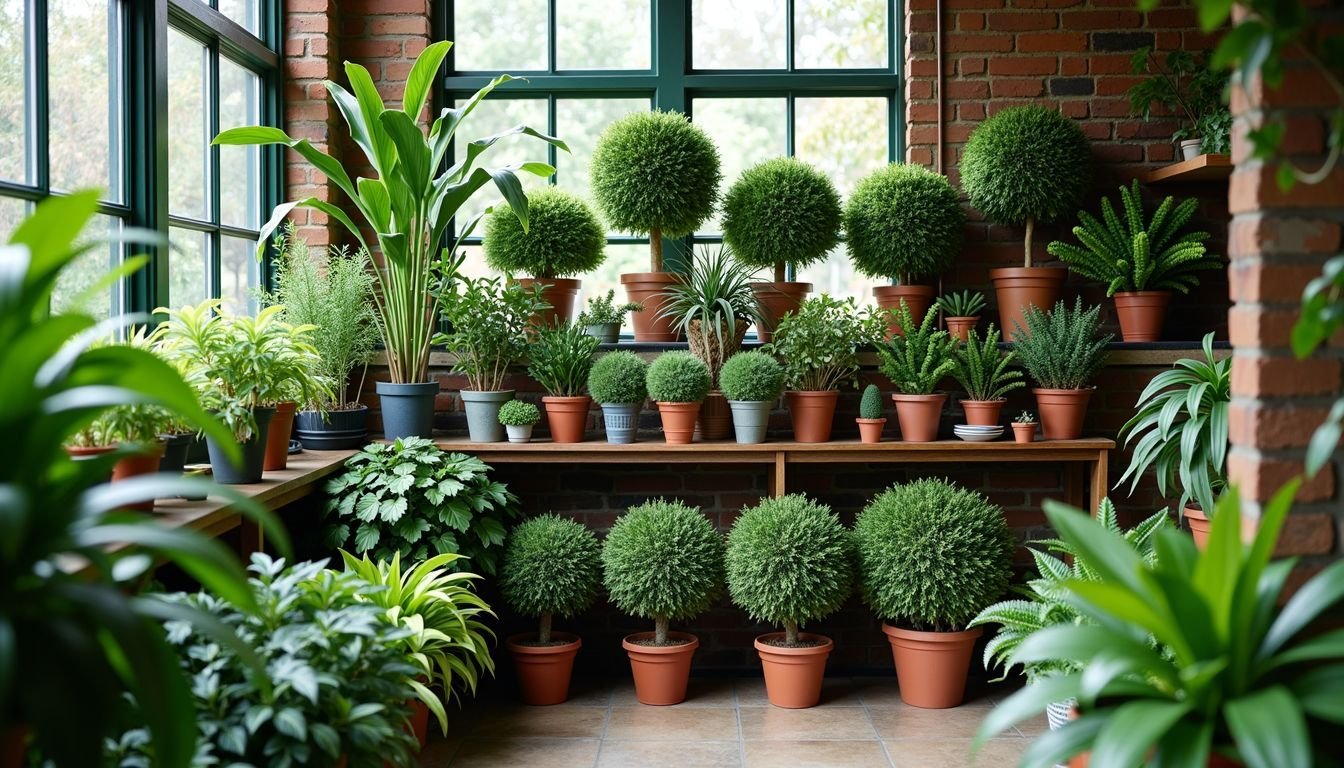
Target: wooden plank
[(544, 451), (1201, 168), (1100, 480)]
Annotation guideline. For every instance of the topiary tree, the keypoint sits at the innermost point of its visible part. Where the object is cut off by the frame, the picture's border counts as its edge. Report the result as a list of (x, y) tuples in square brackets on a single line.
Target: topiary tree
[(870, 404), (619, 378), (903, 222), (752, 377), (789, 561), (780, 212), (551, 565), (932, 555), (564, 237), (1026, 165), (678, 377), (655, 173), (663, 560)]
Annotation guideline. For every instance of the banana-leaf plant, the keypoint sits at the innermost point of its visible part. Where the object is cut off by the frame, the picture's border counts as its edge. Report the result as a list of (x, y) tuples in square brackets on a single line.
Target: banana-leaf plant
[(410, 201)]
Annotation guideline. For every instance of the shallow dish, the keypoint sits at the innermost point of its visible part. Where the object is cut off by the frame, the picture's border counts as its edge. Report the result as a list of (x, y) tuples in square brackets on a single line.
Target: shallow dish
[(984, 437)]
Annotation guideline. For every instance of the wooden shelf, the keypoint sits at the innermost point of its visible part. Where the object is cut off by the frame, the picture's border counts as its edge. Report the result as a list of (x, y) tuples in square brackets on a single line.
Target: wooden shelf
[(1196, 169)]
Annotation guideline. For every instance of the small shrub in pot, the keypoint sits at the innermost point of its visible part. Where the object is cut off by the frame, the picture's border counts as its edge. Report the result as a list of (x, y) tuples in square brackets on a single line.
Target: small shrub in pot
[(518, 418), (871, 421), (961, 311), (916, 360), (561, 359), (1062, 350), (619, 382), (752, 382), (603, 317), (985, 374), (678, 382), (1024, 427)]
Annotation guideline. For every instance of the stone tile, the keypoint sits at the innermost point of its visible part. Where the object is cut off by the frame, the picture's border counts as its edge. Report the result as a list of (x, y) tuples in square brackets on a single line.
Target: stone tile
[(836, 691), (816, 754), (522, 722), (701, 692), (670, 754), (906, 722), (676, 723), (876, 692), (955, 753), (815, 724), (513, 752), (1034, 726), (438, 754)]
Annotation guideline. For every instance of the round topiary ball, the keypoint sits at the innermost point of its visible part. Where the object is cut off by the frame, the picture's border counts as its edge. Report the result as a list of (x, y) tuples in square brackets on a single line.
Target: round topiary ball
[(1026, 163), (903, 222), (782, 211), (551, 566), (751, 377), (932, 555), (619, 378), (563, 238), (678, 377)]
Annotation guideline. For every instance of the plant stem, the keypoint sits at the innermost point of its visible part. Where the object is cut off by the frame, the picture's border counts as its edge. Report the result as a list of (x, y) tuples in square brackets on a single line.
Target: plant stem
[(544, 631), (656, 249), (1031, 229), (660, 630), (790, 633), (781, 272)]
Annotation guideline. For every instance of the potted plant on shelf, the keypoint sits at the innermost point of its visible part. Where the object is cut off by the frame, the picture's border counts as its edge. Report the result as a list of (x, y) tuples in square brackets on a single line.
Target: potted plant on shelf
[(790, 561), (1062, 350), (135, 430), (780, 215), (619, 383), (678, 381), (915, 360), (870, 420), (904, 222), (752, 382), (518, 418), (1024, 427), (561, 359), (603, 318), (656, 174), (1141, 262), (961, 312), (932, 556), (1026, 166), (552, 566), (984, 373), (297, 368), (1186, 87), (91, 440), (662, 560)]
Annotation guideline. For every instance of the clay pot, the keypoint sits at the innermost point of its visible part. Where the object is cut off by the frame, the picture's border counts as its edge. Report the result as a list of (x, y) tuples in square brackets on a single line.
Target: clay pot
[(661, 672), (1141, 314), (776, 300), (567, 417), (1199, 525), (984, 413), (144, 463), (793, 675), (544, 671), (812, 414), (419, 721), (1024, 433), (931, 667), (870, 430), (1062, 412), (1017, 288), (960, 327), (647, 288), (560, 292), (918, 297), (715, 421), (277, 438), (79, 452), (918, 416), (679, 421)]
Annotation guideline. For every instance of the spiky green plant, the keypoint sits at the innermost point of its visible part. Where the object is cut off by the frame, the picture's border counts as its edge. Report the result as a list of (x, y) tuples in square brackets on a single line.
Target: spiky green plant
[(919, 357), (1025, 417), (552, 565), (712, 304), (870, 405), (962, 303), (781, 212), (561, 359), (903, 222), (563, 236), (982, 370), (1062, 348)]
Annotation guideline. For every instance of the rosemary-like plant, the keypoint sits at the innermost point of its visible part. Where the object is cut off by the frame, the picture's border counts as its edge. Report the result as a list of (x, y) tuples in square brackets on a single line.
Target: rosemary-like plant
[(982, 370), (1062, 348), (919, 357), (561, 359)]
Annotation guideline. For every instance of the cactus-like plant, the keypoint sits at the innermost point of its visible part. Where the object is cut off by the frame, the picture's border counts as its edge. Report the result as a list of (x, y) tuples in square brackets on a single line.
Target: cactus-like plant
[(982, 370), (870, 405), (962, 303)]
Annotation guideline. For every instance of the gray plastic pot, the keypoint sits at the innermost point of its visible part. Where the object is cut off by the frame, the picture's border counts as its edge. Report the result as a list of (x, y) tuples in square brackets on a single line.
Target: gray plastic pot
[(253, 451), (408, 409), (483, 414), (621, 421), (607, 333), (750, 419)]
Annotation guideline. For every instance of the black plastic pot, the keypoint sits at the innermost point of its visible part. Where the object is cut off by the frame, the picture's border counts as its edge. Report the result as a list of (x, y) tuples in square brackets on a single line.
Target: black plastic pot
[(340, 429), (408, 409), (175, 451), (254, 452)]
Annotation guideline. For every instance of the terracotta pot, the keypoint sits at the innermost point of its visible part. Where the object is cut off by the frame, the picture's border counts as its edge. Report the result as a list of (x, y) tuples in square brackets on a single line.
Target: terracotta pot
[(960, 327), (1141, 314), (918, 297), (660, 673), (812, 414), (419, 721), (567, 417), (679, 421), (870, 430), (775, 301), (1024, 433), (918, 416), (1062, 412), (145, 463), (984, 413), (931, 667), (544, 671), (79, 452), (560, 292), (277, 439), (1017, 288), (793, 675), (344, 762), (1199, 525), (647, 288), (14, 746), (715, 421)]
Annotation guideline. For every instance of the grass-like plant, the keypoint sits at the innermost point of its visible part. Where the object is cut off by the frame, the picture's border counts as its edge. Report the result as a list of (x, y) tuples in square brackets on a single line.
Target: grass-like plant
[(789, 561), (563, 237), (961, 303), (1024, 166), (518, 413), (903, 222), (678, 377), (603, 310), (919, 357), (932, 555), (663, 560), (560, 359), (619, 378), (655, 173), (490, 320), (779, 213), (1062, 348), (982, 370), (752, 377), (713, 304), (819, 344), (870, 404), (552, 565)]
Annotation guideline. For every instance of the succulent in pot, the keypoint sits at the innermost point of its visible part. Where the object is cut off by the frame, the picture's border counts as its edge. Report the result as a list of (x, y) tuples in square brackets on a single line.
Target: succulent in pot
[(518, 418), (619, 383), (603, 317), (1062, 350), (561, 358), (752, 382), (678, 381), (915, 360), (870, 420), (1024, 427), (961, 311), (985, 374)]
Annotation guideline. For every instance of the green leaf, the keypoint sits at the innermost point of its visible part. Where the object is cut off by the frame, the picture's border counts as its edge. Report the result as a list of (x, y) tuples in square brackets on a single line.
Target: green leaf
[(1131, 730), (421, 77), (366, 538), (292, 723), (1269, 742)]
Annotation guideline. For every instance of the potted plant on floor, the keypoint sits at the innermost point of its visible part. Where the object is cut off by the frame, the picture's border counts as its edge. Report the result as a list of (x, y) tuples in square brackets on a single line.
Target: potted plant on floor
[(904, 223), (518, 418), (985, 374), (1141, 262), (915, 360), (932, 556), (678, 381), (619, 383), (657, 174), (1024, 427), (790, 561), (752, 382), (1022, 167), (552, 566), (781, 215), (1062, 350), (603, 318), (961, 312), (561, 359), (1186, 87), (662, 560), (870, 420)]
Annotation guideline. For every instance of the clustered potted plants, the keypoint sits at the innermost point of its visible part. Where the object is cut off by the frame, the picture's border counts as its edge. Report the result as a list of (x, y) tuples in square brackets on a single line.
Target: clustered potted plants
[(678, 382), (619, 383), (1185, 86), (752, 382)]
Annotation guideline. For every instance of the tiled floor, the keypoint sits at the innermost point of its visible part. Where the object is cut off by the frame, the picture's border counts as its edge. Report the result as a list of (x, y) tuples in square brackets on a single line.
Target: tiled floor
[(724, 723)]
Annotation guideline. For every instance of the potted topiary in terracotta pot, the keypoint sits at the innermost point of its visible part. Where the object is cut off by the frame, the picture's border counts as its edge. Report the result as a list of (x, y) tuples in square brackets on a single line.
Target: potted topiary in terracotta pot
[(618, 382), (1062, 350), (915, 360), (678, 383), (662, 560), (752, 382), (961, 312), (870, 420), (931, 556), (984, 372), (518, 418), (790, 561), (560, 359)]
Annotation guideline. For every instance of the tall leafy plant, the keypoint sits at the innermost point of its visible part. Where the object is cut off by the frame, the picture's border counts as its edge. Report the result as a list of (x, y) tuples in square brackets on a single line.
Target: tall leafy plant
[(1185, 85), (920, 356)]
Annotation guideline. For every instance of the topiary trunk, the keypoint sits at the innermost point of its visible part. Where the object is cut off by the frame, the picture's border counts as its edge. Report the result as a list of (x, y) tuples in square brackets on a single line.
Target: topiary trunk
[(781, 272), (660, 630), (791, 633), (1031, 228), (544, 631), (656, 250)]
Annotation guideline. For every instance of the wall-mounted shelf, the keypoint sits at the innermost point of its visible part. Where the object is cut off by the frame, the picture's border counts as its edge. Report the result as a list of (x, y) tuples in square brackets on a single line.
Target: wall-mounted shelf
[(1196, 169)]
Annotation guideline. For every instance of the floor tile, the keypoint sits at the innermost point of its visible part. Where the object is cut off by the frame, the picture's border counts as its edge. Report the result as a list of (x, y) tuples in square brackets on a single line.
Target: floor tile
[(438, 754), (815, 754), (955, 753), (905, 722), (510, 753), (670, 754), (641, 723), (701, 692), (521, 721), (818, 723), (839, 691), (1034, 726), (876, 692)]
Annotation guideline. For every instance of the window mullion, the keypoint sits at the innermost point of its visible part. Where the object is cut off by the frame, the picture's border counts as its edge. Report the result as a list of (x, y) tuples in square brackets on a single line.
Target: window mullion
[(214, 278), (39, 159)]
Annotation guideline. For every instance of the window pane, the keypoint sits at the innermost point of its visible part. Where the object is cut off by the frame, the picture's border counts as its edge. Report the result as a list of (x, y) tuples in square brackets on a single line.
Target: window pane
[(85, 121), (13, 94), (602, 34), (746, 131), (187, 267), (238, 272), (245, 12), (499, 37), (830, 34), (187, 131), (488, 118), (88, 269), (239, 167), (12, 211), (579, 122), (737, 34)]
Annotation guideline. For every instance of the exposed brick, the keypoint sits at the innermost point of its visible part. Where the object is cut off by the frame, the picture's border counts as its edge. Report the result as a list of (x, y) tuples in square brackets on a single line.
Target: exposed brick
[(1072, 86), (1023, 65), (1259, 478), (1306, 534), (1100, 19), (1121, 41), (1020, 21), (1255, 187), (1060, 42), (1015, 86), (1284, 375), (1273, 427), (1274, 235)]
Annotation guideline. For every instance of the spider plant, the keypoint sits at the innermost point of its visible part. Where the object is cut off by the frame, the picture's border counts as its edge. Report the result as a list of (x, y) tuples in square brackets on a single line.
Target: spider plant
[(713, 304)]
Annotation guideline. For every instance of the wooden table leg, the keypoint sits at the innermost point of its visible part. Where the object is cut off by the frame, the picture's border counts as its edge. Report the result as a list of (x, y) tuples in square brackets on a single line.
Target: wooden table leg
[(251, 539), (1100, 481), (1073, 484), (775, 479)]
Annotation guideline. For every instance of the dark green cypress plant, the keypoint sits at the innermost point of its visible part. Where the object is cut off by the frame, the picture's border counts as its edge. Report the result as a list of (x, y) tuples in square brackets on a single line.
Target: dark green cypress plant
[(919, 357), (903, 222), (1062, 348), (982, 370), (781, 212), (563, 237), (552, 565)]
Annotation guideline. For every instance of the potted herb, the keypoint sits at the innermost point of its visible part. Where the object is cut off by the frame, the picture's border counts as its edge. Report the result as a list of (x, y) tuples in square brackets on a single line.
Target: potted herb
[(870, 420), (1024, 427), (518, 418), (603, 318), (961, 311), (781, 215), (297, 368), (678, 381), (618, 382), (662, 560), (1141, 262), (985, 374), (752, 382), (91, 440), (1185, 86), (552, 566), (1062, 350), (656, 174), (790, 561), (561, 358), (931, 556), (915, 360), (1022, 167), (562, 238), (904, 223), (135, 430)]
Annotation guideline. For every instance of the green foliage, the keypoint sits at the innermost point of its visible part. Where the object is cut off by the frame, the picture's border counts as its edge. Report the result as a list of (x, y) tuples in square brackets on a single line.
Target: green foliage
[(518, 413), (870, 404), (561, 358), (752, 377), (552, 565), (1062, 348), (490, 321), (678, 377), (982, 370), (619, 378), (903, 222), (563, 237), (932, 555), (781, 211), (1322, 315), (962, 303), (1215, 132), (411, 498), (603, 310), (714, 294), (919, 357), (1025, 417), (1182, 84), (1127, 253), (819, 344)]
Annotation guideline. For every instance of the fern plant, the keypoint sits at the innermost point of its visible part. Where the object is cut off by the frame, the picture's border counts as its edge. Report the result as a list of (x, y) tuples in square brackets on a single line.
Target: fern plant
[(1062, 348), (1134, 254), (919, 357), (982, 370)]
